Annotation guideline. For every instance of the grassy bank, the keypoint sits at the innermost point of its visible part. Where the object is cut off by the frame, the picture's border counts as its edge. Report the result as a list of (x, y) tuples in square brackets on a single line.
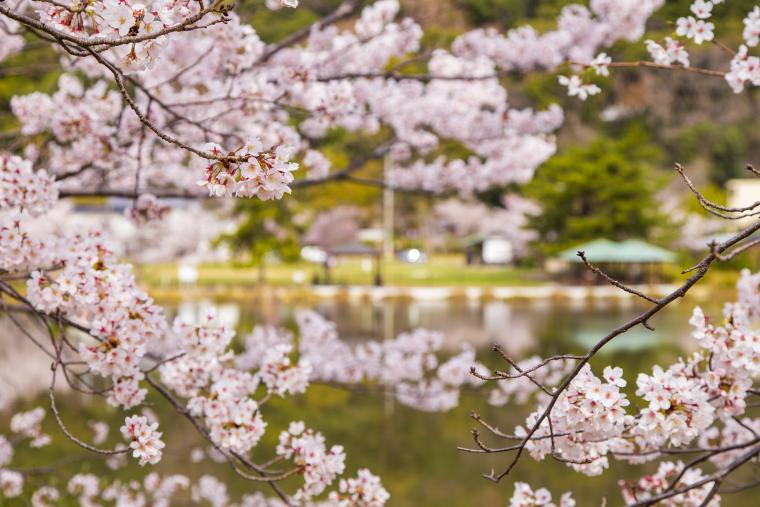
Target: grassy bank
[(439, 271)]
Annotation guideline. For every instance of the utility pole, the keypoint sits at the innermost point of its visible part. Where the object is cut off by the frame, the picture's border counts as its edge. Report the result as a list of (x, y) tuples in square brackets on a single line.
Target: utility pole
[(388, 215)]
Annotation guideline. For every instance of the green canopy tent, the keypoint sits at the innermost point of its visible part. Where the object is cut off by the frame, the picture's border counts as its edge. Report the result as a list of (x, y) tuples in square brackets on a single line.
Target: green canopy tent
[(632, 260)]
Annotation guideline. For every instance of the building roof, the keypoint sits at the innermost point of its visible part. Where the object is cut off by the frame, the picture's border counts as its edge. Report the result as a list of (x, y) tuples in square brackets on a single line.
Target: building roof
[(631, 250)]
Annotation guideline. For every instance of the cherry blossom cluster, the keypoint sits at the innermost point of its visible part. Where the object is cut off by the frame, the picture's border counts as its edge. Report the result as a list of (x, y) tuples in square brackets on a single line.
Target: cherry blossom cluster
[(144, 439), (679, 408), (221, 396), (700, 399), (280, 376), (744, 67), (365, 490), (733, 433), (696, 27), (249, 172), (29, 425), (525, 496), (580, 32), (46, 496), (86, 487), (116, 18), (11, 42), (317, 165), (23, 188), (153, 490), (80, 277), (92, 287), (81, 121), (147, 208), (318, 464), (588, 416), (11, 482), (221, 84), (89, 491), (670, 52), (651, 485), (100, 431)]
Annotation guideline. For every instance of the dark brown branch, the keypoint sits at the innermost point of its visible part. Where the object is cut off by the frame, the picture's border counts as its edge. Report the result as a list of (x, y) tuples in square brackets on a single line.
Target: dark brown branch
[(614, 282), (701, 270)]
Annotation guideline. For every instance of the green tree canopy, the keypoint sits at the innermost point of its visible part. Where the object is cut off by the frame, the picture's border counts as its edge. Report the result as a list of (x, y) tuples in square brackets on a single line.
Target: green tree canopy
[(267, 227), (604, 189)]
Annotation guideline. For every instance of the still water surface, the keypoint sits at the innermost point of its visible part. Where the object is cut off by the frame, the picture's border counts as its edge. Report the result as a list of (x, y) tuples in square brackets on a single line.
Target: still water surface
[(414, 452)]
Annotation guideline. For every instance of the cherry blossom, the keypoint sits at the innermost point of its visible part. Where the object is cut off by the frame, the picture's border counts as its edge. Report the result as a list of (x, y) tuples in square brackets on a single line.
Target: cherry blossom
[(6, 451), (21, 187), (86, 487), (600, 64), (29, 425), (280, 376), (147, 208), (307, 449), (672, 52), (577, 88), (752, 27), (525, 496), (249, 172), (650, 485), (46, 496), (11, 483), (702, 8), (365, 490), (590, 414), (211, 490), (145, 441), (100, 431), (11, 42), (744, 68), (696, 29)]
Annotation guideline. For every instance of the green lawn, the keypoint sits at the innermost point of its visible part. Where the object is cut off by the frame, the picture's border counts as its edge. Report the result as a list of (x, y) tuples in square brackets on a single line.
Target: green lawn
[(439, 271)]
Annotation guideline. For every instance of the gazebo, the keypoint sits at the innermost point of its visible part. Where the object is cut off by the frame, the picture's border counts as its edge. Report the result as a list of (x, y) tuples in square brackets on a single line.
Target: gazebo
[(354, 249), (632, 260)]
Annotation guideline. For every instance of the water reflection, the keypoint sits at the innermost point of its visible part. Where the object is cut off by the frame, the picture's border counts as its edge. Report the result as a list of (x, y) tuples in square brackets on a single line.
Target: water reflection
[(414, 452), (519, 326)]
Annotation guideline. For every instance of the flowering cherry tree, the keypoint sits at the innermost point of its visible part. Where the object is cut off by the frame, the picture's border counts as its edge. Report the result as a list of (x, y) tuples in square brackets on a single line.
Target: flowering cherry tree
[(176, 98), (693, 416)]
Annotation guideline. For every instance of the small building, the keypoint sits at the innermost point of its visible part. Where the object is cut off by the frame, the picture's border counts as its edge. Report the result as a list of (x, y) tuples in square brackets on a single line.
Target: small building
[(369, 257), (488, 249), (632, 261)]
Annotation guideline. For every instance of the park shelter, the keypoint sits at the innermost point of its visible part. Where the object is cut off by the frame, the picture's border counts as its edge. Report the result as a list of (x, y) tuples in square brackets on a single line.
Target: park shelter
[(354, 250), (632, 260)]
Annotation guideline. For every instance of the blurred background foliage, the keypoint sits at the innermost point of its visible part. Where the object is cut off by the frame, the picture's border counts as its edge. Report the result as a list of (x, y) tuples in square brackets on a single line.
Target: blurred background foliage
[(697, 122)]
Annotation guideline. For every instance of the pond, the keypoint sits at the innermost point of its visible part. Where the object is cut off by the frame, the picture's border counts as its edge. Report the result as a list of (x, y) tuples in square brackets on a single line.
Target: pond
[(414, 452)]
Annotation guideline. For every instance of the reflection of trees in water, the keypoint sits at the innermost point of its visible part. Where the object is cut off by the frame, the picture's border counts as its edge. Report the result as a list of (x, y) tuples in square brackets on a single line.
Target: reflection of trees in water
[(540, 326), (520, 326)]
